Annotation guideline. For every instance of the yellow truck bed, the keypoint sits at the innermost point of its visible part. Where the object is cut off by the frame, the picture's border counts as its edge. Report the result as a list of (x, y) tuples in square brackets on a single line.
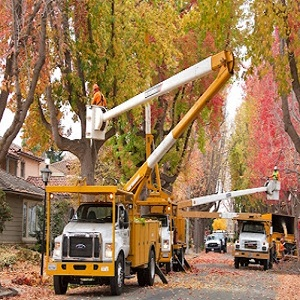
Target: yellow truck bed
[(143, 234)]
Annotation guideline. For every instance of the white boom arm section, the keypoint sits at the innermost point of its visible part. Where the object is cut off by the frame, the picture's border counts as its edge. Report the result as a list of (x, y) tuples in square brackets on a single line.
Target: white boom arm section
[(223, 62), (271, 187), (97, 117)]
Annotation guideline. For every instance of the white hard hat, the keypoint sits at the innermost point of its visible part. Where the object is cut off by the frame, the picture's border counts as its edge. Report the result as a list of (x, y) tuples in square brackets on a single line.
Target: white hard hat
[(275, 168)]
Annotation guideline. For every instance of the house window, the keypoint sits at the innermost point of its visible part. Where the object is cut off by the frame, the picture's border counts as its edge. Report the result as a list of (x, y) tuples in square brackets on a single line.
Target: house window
[(11, 166), (31, 211), (22, 169)]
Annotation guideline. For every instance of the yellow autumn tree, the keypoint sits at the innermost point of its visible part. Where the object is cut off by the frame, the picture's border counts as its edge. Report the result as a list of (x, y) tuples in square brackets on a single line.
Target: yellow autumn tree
[(219, 224)]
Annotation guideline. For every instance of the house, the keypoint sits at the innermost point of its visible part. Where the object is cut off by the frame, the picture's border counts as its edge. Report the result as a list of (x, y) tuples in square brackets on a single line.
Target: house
[(20, 179), (22, 196), (21, 163)]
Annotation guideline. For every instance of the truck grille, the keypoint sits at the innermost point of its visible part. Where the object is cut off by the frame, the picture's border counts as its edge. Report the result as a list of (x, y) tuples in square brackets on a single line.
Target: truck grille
[(213, 244), (87, 247), (250, 245)]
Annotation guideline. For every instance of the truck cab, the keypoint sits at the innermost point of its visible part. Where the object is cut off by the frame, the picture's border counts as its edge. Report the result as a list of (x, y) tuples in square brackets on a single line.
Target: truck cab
[(88, 235), (254, 242), (252, 237)]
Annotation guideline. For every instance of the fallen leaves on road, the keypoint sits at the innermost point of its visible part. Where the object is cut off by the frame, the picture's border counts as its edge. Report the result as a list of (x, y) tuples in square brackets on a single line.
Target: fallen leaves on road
[(209, 271)]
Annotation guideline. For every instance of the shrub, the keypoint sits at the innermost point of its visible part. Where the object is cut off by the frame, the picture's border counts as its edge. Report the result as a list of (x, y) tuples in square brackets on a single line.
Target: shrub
[(5, 211)]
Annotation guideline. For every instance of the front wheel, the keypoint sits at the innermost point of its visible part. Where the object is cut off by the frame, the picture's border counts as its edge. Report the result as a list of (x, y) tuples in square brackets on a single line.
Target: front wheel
[(117, 282), (60, 284), (150, 271)]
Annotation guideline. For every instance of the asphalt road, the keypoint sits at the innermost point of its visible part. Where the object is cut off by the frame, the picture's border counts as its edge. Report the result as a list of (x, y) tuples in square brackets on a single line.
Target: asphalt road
[(212, 277)]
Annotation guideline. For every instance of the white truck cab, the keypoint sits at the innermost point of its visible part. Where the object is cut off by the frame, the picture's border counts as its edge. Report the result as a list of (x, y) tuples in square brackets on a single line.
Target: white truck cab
[(88, 235)]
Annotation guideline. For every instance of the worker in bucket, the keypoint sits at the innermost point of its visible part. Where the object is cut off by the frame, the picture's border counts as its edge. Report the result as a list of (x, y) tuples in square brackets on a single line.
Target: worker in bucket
[(275, 175), (98, 98)]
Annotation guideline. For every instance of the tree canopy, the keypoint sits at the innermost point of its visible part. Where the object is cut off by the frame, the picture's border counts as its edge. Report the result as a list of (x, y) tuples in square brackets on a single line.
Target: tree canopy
[(54, 51), (125, 47)]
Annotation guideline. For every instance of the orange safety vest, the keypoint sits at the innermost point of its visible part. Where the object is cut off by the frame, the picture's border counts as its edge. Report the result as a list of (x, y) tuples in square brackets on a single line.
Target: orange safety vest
[(281, 247), (99, 99)]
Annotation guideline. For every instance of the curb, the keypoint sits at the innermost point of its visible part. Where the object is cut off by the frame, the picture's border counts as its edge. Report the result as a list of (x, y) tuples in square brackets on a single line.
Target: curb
[(7, 292)]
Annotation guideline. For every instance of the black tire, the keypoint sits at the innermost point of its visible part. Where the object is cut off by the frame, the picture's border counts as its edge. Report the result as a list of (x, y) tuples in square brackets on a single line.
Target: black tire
[(141, 277), (60, 284), (236, 262), (176, 267), (266, 264), (270, 264), (169, 267), (180, 257), (150, 271), (117, 282)]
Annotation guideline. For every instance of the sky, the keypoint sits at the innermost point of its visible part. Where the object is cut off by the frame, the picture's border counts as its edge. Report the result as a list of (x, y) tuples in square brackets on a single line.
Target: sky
[(6, 122), (234, 100)]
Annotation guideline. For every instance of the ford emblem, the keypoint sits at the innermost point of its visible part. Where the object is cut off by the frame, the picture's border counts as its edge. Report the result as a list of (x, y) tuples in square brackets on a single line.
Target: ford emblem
[(80, 246)]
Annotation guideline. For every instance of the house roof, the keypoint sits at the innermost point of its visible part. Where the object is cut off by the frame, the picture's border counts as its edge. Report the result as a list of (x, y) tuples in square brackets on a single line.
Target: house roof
[(54, 181), (17, 185), (62, 166), (17, 152)]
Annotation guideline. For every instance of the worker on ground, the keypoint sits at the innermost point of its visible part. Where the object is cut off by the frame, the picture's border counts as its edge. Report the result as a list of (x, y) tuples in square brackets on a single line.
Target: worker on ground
[(98, 98), (274, 252), (282, 247), (275, 174)]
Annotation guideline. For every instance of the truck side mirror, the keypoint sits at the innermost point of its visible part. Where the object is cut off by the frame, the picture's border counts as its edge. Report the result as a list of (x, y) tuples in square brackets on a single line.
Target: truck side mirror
[(126, 220), (71, 213), (121, 218), (121, 223)]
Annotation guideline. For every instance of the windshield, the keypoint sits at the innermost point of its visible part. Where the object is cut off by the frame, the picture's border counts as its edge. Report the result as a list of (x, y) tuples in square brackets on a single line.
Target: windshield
[(253, 227), (212, 237), (219, 235), (97, 213)]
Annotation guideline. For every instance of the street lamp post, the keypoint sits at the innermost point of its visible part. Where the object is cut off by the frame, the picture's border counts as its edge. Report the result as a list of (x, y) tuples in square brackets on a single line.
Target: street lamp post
[(46, 173)]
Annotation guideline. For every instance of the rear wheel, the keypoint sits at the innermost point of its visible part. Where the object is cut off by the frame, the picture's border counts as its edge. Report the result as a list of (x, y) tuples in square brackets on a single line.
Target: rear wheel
[(169, 266), (266, 264), (179, 261), (236, 262), (141, 277), (117, 282), (60, 284), (150, 271)]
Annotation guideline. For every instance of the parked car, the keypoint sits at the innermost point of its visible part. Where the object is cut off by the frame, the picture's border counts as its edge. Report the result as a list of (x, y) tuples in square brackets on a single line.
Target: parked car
[(215, 242), (222, 235)]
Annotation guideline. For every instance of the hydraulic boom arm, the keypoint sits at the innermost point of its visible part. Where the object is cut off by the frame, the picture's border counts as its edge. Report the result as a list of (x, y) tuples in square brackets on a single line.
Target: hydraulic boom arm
[(223, 62), (271, 187), (97, 117)]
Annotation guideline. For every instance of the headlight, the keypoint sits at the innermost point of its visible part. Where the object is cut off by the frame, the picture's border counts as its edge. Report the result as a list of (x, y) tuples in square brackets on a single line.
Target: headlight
[(56, 246), (166, 244), (108, 250), (56, 250), (265, 246)]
